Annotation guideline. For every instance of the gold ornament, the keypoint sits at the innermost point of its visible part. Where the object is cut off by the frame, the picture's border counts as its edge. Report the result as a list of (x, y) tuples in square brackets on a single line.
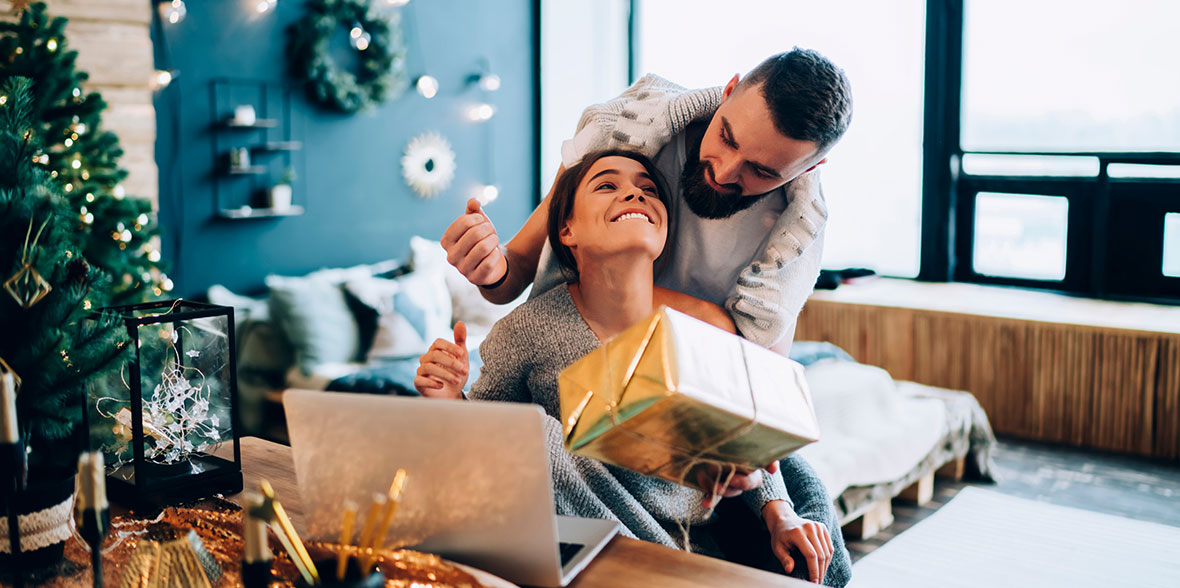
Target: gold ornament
[(27, 286)]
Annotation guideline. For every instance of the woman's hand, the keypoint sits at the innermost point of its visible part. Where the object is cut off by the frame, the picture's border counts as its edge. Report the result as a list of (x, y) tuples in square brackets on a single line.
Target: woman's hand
[(738, 483), (442, 370), (810, 538)]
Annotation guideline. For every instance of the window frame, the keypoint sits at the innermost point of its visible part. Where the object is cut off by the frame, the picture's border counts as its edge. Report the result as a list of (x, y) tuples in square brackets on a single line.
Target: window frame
[(1103, 211)]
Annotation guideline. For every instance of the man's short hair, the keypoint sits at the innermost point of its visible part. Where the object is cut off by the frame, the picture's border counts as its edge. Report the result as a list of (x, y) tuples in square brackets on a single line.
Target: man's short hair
[(809, 98)]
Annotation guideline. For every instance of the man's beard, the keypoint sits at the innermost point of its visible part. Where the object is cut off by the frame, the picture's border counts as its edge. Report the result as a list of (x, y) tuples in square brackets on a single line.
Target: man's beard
[(706, 202)]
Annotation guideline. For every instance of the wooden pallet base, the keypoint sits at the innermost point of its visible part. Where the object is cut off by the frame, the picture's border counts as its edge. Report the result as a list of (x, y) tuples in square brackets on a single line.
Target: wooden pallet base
[(919, 492), (878, 516), (952, 470)]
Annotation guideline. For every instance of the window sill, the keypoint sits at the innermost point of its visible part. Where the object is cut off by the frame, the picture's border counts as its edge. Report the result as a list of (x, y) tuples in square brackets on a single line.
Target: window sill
[(1008, 303)]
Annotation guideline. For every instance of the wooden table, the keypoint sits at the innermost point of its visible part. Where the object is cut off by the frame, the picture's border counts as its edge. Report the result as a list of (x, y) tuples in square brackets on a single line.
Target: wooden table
[(624, 562)]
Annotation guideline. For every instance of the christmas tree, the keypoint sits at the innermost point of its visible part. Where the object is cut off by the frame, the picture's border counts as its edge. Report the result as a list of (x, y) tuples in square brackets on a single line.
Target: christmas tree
[(49, 339), (119, 233)]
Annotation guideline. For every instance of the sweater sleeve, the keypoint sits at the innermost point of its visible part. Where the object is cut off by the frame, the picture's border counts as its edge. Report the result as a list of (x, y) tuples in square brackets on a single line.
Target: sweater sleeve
[(771, 291), (502, 377), (643, 118), (773, 488)]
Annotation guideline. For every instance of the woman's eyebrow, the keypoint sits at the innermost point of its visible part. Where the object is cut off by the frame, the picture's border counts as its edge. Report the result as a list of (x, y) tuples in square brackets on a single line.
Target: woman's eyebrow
[(601, 173)]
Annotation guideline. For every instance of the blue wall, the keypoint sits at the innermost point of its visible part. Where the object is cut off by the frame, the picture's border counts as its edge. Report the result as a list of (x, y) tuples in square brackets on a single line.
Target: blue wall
[(359, 209)]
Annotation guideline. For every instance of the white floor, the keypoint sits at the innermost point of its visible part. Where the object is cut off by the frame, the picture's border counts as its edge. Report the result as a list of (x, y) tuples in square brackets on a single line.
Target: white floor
[(987, 539)]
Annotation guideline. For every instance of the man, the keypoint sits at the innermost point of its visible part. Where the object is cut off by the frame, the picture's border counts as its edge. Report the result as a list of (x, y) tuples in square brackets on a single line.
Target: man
[(742, 159)]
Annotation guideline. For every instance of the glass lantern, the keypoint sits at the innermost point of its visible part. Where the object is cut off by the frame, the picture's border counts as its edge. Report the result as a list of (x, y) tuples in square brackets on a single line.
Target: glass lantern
[(166, 418)]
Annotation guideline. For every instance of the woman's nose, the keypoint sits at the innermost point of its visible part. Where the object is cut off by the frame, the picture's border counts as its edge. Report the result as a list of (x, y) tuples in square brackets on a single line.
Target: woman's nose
[(637, 193)]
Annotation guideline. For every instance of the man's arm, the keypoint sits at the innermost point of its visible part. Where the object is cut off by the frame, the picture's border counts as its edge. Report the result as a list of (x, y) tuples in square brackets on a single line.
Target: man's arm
[(473, 247), (770, 292)]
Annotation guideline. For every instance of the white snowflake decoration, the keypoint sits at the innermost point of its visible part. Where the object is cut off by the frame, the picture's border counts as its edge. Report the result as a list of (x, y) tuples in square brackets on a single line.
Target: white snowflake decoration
[(177, 418), (428, 165)]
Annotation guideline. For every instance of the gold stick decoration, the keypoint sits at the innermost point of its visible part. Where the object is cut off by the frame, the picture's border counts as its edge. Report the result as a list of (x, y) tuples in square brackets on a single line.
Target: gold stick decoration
[(273, 513), (372, 519), (394, 498), (345, 539)]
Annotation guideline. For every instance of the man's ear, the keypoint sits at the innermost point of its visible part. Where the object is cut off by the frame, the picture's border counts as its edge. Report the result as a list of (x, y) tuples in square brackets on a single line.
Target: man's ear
[(730, 87), (817, 164)]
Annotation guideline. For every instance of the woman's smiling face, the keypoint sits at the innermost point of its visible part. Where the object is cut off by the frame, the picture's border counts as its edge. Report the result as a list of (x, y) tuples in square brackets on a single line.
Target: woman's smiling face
[(617, 209)]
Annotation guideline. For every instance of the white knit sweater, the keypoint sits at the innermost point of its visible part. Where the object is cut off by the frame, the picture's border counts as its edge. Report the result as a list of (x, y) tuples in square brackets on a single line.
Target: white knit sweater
[(773, 286)]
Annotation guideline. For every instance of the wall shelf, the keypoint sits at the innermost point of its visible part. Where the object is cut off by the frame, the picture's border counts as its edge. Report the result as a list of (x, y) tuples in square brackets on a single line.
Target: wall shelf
[(262, 123), (247, 212), (271, 141), (271, 146), (254, 170)]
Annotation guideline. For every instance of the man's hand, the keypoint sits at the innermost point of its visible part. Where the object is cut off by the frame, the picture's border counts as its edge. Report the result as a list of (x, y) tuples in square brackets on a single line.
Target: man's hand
[(737, 484), (473, 247), (810, 538), (442, 370)]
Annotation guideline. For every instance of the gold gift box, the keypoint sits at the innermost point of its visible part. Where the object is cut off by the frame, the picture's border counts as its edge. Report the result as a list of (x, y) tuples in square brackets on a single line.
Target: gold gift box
[(673, 397)]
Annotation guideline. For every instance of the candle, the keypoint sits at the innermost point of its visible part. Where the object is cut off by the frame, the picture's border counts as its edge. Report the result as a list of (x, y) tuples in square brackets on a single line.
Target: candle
[(394, 498), (254, 532), (345, 539), (370, 529), (9, 433), (92, 483)]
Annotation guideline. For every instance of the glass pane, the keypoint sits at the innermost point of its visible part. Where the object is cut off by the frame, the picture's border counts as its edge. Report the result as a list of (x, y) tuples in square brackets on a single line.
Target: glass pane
[(872, 179), (1139, 170), (986, 164), (1172, 244), (1071, 75), (1020, 235), (583, 61)]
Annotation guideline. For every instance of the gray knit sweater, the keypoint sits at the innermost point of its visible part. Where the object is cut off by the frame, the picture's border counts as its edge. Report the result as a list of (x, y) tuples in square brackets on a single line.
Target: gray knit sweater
[(523, 355)]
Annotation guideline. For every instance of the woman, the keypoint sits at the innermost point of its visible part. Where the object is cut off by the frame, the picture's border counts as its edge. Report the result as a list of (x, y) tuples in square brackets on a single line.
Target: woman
[(608, 225)]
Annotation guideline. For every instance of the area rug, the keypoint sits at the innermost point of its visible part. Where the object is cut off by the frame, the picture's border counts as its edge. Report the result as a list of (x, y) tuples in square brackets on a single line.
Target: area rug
[(982, 538)]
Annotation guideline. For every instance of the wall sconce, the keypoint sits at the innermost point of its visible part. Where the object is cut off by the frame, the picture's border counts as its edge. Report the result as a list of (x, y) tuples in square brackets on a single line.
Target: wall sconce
[(173, 11), (163, 77), (487, 81), (427, 86), (486, 193), (481, 112)]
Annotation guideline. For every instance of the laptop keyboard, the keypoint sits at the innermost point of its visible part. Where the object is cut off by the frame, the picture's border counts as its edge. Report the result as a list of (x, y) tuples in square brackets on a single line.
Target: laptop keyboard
[(568, 551)]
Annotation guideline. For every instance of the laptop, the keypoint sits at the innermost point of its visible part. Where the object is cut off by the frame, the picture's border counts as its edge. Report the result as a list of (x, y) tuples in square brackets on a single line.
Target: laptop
[(478, 489)]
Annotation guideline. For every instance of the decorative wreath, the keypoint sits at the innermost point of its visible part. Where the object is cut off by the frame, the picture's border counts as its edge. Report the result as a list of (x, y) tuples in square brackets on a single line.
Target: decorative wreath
[(382, 73), (428, 164)]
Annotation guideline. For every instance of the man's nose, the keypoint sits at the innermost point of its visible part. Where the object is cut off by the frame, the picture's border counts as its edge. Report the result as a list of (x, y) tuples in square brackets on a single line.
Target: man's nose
[(726, 172)]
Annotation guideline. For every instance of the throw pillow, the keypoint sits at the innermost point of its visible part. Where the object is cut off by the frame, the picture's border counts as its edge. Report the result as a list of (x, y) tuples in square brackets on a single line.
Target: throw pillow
[(412, 311), (314, 314), (245, 307), (467, 302)]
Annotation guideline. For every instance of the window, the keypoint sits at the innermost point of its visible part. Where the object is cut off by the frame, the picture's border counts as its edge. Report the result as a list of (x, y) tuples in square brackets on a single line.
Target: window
[(1020, 235), (1172, 245), (873, 178), (584, 61), (1052, 145), (1071, 75)]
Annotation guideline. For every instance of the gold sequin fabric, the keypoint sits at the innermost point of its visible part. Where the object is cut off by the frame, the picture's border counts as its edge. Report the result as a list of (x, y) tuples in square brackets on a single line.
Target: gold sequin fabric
[(218, 523)]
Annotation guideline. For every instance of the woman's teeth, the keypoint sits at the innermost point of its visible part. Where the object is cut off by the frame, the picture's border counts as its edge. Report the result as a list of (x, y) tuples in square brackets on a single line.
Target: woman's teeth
[(632, 215)]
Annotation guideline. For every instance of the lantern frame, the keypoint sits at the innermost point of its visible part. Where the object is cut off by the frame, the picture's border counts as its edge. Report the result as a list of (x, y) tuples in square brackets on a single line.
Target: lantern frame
[(150, 484)]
